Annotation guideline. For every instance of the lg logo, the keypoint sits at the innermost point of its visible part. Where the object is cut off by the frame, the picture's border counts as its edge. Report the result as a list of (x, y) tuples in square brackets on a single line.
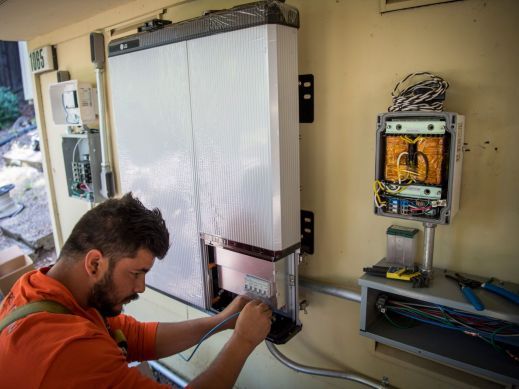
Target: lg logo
[(123, 46)]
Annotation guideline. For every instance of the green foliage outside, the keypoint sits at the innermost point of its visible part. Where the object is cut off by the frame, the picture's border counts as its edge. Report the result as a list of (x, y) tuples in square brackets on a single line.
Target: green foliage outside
[(9, 110)]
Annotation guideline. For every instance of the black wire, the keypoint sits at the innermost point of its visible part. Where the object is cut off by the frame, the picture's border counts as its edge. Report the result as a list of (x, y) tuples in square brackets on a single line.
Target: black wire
[(426, 164)]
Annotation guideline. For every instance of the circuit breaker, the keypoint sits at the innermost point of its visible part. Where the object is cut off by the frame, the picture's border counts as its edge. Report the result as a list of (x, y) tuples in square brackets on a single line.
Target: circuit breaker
[(418, 165), (82, 158)]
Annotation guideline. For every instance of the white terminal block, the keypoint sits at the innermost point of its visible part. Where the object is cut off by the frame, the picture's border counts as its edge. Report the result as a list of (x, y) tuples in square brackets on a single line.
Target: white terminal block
[(258, 286)]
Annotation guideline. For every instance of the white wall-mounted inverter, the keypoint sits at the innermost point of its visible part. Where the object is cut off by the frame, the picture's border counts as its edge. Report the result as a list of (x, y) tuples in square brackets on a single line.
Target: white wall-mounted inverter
[(207, 129)]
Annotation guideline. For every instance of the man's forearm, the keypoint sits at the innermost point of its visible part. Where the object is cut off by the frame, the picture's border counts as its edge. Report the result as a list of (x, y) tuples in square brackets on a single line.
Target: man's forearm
[(173, 338), (224, 371)]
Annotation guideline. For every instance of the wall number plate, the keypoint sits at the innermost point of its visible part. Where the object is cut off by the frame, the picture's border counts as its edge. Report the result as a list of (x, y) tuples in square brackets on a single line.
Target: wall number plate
[(43, 59)]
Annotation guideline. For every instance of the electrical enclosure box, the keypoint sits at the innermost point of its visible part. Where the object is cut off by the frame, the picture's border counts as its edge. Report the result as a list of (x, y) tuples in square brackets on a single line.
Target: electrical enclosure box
[(73, 103), (82, 157), (418, 164), (219, 97)]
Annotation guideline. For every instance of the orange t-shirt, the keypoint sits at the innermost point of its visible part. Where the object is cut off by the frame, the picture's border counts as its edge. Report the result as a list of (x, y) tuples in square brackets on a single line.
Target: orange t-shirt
[(50, 350)]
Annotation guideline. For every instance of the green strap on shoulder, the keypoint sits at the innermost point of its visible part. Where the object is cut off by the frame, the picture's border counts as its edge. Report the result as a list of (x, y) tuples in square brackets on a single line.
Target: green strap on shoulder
[(30, 308)]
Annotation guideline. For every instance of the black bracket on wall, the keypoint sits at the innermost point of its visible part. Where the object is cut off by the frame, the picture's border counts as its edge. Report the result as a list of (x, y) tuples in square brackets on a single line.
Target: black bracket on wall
[(154, 24), (306, 98), (307, 232)]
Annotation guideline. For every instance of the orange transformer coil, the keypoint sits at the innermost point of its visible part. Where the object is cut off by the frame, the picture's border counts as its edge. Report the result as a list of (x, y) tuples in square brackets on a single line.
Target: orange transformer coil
[(428, 170)]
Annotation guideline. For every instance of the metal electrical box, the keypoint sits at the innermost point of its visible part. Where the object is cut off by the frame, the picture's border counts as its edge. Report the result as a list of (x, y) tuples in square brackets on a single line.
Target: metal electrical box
[(418, 165), (82, 158), (441, 344), (217, 97)]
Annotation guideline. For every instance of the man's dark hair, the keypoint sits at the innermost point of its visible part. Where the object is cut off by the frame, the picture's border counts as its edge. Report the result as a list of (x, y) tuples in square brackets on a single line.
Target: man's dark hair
[(118, 228)]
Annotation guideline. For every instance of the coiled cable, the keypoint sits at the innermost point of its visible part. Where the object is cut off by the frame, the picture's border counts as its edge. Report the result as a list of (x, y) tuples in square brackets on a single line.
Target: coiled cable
[(425, 95)]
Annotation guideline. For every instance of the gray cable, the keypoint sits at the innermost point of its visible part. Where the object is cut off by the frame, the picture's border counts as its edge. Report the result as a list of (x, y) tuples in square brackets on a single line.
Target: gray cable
[(332, 290), (324, 372)]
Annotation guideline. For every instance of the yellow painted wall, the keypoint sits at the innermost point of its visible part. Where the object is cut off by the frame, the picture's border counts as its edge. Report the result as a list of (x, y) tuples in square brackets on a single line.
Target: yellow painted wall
[(357, 55)]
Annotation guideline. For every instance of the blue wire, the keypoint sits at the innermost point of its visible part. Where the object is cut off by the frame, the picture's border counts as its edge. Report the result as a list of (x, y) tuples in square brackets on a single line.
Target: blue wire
[(489, 320), (208, 334), (460, 313), (443, 325)]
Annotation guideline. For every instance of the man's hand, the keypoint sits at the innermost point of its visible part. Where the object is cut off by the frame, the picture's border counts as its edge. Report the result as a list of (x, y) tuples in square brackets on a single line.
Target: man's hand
[(235, 306), (176, 337), (252, 327), (253, 324)]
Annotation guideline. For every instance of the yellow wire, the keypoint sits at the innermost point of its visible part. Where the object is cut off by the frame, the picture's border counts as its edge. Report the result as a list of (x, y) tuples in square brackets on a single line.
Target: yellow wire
[(406, 139), (385, 189), (376, 187), (400, 189)]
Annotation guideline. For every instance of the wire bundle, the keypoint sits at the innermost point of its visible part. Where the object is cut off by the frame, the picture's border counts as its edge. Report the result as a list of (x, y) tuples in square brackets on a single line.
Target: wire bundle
[(419, 207), (426, 95), (382, 187), (490, 330)]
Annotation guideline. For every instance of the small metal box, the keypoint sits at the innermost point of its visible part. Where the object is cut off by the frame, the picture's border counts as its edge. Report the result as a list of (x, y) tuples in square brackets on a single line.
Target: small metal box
[(82, 158)]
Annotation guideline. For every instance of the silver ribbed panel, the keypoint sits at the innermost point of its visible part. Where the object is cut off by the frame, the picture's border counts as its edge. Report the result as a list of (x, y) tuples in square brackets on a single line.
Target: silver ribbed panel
[(150, 97), (285, 126), (236, 132)]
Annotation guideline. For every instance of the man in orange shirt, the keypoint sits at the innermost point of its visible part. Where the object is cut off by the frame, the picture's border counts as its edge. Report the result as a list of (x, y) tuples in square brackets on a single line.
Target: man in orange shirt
[(101, 267)]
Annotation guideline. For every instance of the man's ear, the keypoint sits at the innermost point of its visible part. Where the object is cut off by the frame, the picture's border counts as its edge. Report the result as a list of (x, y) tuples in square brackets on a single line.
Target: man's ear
[(95, 264)]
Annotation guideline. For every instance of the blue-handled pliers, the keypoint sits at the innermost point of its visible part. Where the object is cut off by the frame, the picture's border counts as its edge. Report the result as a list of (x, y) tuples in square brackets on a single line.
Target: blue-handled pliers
[(488, 285), (466, 285)]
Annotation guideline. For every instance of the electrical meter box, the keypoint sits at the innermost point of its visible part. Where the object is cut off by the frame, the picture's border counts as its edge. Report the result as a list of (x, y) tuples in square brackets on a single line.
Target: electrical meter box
[(418, 164), (82, 157), (73, 103)]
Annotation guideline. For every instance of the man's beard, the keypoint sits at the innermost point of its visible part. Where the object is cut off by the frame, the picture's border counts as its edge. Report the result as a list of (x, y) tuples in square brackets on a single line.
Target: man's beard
[(102, 297)]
